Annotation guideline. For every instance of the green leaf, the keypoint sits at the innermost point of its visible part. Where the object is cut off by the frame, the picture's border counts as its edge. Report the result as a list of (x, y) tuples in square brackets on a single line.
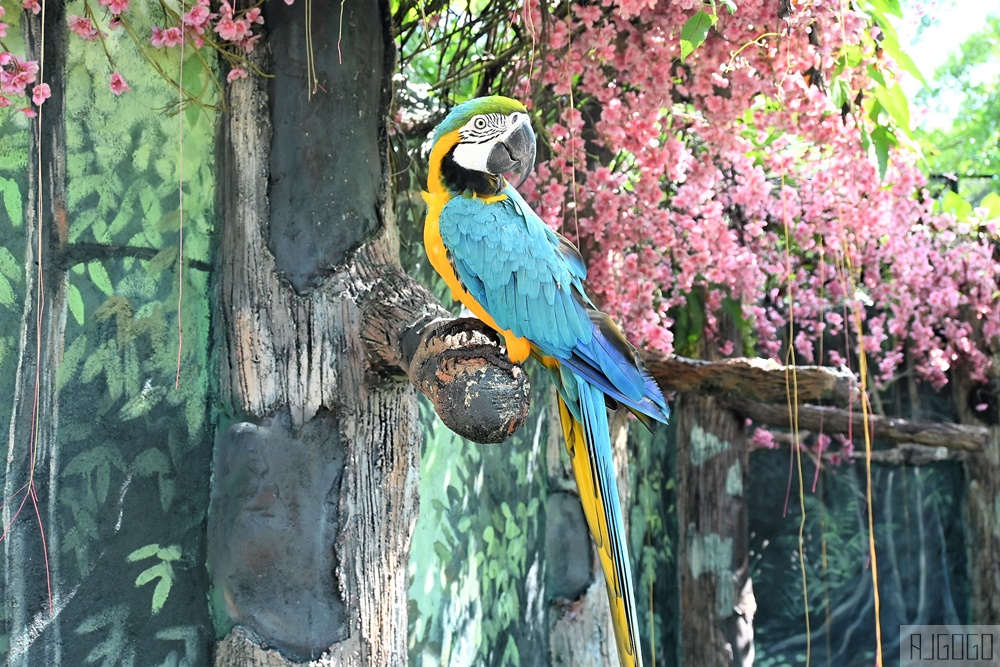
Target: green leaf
[(876, 74), (7, 295), (953, 203), (151, 461), (893, 100), (171, 553), (102, 482), (162, 260), (839, 93), (169, 222), (12, 201), (139, 405), (9, 266), (511, 656), (991, 203), (100, 277), (194, 414), (882, 140), (851, 56), (166, 491), (165, 574), (903, 59), (160, 593), (142, 553), (71, 361), (883, 7), (695, 31), (75, 301)]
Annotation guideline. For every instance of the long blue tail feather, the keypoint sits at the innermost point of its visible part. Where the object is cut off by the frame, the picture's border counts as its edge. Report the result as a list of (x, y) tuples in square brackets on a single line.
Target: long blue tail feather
[(609, 512)]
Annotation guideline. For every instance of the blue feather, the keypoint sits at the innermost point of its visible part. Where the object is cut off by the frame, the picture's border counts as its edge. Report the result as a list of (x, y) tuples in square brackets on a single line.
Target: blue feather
[(508, 260), (595, 421)]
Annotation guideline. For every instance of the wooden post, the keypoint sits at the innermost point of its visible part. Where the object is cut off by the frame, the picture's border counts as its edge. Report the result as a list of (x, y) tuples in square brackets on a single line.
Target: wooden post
[(314, 496), (314, 491), (982, 471), (717, 603)]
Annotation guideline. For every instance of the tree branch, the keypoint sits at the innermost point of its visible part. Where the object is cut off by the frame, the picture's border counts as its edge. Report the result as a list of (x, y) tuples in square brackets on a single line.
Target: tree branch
[(836, 420), (769, 383), (458, 364), (764, 379), (81, 253), (902, 454)]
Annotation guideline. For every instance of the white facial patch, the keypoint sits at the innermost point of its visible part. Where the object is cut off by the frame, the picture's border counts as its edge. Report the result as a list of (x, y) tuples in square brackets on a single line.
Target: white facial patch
[(481, 134), (473, 156)]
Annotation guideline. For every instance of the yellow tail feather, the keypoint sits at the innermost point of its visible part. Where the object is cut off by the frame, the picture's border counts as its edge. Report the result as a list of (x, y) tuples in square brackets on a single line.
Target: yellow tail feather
[(590, 497)]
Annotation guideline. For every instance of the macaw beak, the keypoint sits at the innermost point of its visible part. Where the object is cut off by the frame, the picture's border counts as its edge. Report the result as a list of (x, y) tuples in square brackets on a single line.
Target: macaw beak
[(515, 154)]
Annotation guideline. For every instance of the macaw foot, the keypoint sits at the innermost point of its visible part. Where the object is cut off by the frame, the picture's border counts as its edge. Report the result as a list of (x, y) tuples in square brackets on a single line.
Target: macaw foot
[(518, 349)]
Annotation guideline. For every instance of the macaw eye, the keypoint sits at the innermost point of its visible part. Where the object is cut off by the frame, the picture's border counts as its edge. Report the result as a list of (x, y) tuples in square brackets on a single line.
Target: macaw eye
[(479, 123)]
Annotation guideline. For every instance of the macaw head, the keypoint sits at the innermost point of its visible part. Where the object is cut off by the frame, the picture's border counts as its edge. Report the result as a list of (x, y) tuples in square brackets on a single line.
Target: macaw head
[(494, 138)]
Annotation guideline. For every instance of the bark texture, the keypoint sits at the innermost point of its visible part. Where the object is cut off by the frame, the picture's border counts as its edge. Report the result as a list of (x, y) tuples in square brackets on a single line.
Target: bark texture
[(982, 497), (459, 364), (983, 513), (305, 236), (764, 379), (314, 492), (962, 437), (717, 602)]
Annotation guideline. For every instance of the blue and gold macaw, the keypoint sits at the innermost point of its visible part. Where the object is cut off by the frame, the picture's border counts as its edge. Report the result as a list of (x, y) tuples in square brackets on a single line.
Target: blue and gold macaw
[(526, 281)]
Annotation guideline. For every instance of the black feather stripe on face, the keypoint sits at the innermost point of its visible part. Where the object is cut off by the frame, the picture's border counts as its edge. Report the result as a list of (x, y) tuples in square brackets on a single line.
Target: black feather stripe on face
[(459, 180), (483, 128)]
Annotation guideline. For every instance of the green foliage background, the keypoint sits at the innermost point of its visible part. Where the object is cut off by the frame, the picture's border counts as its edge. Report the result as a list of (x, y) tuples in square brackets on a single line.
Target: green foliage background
[(134, 452), (968, 147)]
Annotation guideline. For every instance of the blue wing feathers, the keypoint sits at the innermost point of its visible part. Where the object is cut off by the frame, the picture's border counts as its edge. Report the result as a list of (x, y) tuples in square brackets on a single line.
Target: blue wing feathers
[(530, 280)]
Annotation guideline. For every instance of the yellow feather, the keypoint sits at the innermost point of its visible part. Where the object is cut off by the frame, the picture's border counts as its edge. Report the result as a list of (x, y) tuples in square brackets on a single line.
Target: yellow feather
[(590, 498)]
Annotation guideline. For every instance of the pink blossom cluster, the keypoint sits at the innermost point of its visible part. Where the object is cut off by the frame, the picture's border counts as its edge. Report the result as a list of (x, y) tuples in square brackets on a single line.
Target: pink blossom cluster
[(235, 29), (226, 28), (17, 73), (731, 177), (16, 78)]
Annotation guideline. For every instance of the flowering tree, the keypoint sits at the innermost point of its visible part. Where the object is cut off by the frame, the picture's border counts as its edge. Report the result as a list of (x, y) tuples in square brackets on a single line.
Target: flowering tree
[(750, 179)]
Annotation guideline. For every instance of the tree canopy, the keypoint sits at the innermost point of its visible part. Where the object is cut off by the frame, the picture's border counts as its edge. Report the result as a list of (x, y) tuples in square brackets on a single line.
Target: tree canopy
[(741, 175), (967, 149)]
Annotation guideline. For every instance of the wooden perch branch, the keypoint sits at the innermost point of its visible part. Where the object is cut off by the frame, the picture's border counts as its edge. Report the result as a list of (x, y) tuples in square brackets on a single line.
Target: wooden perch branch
[(902, 454), (458, 364), (764, 379), (909, 454), (836, 420), (768, 383)]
